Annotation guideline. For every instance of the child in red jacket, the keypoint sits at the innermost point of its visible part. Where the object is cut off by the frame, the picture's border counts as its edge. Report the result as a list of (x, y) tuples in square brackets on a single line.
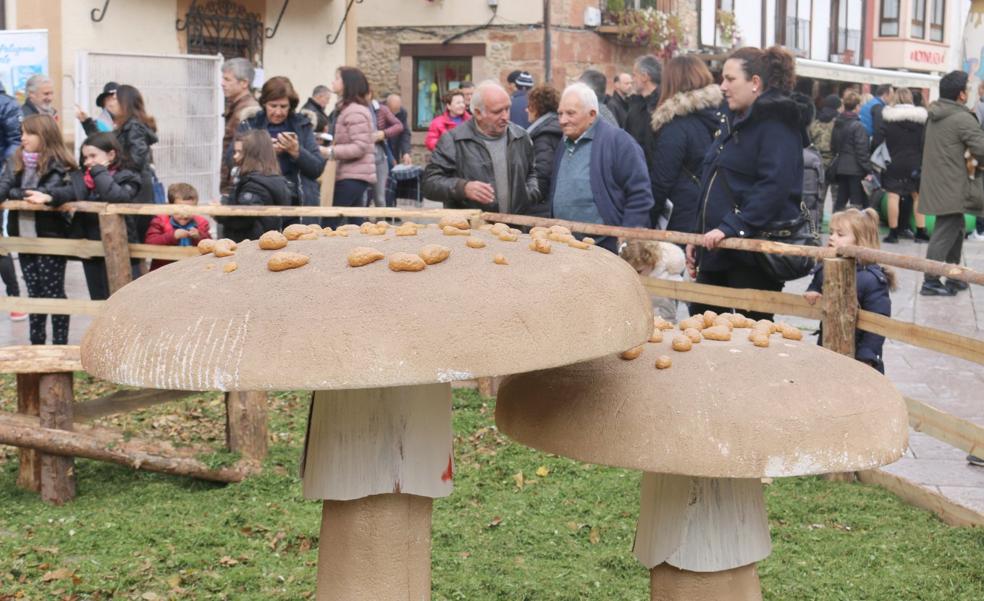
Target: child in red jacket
[(177, 230)]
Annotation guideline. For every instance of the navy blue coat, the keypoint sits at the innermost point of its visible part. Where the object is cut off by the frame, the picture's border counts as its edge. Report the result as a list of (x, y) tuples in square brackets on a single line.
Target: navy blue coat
[(619, 179), (683, 129), (752, 175), (872, 296), (517, 111), (305, 170), (10, 125)]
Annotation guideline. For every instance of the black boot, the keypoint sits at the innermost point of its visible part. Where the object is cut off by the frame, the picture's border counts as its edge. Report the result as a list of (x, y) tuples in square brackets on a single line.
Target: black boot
[(933, 287), (892, 237), (921, 235)]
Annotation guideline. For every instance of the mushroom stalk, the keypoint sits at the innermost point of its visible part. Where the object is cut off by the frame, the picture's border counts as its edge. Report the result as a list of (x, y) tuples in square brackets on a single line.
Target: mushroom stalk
[(378, 457), (375, 549), (667, 583), (701, 537)]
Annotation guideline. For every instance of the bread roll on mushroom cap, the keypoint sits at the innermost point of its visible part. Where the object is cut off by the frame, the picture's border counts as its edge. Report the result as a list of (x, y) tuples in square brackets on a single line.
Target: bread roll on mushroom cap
[(724, 410), (330, 326)]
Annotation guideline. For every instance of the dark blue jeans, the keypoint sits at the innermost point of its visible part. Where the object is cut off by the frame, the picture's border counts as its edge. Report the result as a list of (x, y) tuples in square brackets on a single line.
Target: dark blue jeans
[(348, 193)]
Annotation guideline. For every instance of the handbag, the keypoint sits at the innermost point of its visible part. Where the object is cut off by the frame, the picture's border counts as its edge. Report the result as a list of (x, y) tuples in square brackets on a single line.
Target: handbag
[(799, 231)]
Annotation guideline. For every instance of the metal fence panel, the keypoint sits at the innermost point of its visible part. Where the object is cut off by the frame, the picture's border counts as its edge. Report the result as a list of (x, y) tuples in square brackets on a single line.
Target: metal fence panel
[(183, 93)]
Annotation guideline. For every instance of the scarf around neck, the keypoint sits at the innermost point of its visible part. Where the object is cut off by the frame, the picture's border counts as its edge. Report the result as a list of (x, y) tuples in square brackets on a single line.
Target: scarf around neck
[(187, 226)]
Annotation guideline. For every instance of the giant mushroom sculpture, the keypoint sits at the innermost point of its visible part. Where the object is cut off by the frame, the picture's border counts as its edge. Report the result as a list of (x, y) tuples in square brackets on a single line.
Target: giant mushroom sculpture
[(705, 428), (377, 322)]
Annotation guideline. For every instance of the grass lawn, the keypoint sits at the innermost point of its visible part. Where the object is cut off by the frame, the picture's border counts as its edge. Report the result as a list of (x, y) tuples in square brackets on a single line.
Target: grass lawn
[(521, 525)]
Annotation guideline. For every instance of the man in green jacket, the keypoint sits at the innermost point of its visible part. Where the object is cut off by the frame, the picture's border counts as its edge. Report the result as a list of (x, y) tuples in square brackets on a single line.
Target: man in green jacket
[(946, 190)]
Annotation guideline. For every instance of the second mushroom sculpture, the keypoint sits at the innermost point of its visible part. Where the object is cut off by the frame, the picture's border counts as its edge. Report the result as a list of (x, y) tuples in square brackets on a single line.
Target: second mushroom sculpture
[(705, 420), (377, 321)]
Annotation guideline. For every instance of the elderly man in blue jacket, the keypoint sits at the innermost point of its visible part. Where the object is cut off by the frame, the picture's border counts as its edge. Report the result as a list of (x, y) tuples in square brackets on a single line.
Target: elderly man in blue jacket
[(599, 173)]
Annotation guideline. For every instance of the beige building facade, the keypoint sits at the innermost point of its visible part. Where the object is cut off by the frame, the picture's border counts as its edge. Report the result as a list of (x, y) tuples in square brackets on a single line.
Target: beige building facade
[(298, 48)]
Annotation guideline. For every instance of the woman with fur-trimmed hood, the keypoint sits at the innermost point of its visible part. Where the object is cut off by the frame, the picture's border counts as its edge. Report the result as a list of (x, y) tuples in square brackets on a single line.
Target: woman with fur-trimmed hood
[(683, 125), (904, 131)]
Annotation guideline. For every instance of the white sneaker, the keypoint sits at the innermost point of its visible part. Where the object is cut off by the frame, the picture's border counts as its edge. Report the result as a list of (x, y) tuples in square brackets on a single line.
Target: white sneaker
[(976, 236)]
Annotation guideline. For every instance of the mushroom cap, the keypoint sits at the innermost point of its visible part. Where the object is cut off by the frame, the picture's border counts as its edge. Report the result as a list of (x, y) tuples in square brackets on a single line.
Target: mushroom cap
[(326, 325), (723, 410)]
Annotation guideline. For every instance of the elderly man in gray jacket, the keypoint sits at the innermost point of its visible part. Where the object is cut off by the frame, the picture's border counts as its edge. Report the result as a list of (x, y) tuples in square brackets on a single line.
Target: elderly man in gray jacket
[(487, 162), (945, 189)]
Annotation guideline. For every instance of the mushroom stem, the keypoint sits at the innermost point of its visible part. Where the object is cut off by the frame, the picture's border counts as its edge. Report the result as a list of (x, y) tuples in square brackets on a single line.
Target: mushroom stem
[(704, 530), (377, 457), (667, 583), (375, 549)]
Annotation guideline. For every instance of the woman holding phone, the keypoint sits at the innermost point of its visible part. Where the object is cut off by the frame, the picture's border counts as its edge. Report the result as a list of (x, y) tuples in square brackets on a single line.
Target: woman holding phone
[(292, 134)]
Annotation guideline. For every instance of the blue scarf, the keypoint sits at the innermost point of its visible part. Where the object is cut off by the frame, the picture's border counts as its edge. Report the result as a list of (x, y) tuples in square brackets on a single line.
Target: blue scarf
[(187, 226)]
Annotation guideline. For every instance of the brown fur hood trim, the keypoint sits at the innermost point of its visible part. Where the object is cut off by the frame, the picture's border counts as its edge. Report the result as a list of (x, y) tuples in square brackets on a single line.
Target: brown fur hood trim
[(685, 103)]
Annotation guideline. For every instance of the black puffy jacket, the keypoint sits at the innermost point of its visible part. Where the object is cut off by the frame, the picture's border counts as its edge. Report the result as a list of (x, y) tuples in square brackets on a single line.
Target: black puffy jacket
[(546, 136), (851, 145), (255, 189), (683, 129), (10, 128), (47, 224), (122, 186)]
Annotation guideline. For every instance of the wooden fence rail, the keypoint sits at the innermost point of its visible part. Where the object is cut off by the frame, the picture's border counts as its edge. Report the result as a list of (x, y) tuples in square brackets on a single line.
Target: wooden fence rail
[(840, 315)]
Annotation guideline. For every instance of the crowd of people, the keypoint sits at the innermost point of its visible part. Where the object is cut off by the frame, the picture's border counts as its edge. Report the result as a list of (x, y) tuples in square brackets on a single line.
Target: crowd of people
[(672, 147)]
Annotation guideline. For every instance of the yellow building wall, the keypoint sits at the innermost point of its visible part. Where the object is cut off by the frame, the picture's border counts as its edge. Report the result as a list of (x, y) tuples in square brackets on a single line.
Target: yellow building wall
[(133, 27), (395, 13), (299, 49)]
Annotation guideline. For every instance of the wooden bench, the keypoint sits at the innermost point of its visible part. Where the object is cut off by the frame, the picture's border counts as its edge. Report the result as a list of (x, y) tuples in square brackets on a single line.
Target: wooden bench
[(50, 432)]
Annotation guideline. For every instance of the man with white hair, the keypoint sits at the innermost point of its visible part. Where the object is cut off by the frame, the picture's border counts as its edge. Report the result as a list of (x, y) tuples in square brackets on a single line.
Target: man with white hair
[(487, 162), (40, 97), (600, 173)]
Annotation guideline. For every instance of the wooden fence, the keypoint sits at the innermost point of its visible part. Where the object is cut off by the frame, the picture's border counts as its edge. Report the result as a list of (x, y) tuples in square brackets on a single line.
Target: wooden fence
[(838, 309)]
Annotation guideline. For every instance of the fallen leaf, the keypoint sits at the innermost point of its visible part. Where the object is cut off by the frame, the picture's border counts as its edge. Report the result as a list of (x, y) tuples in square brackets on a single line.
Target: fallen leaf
[(59, 574), (495, 522), (594, 536), (519, 480), (227, 561), (148, 596), (542, 471)]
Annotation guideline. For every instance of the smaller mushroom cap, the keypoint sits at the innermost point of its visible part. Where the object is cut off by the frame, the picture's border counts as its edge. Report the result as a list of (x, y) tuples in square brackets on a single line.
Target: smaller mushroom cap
[(723, 410)]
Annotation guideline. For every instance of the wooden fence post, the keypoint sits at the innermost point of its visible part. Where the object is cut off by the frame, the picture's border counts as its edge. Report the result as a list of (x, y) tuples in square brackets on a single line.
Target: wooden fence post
[(57, 473), (840, 318), (840, 305), (112, 229), (29, 403), (246, 424)]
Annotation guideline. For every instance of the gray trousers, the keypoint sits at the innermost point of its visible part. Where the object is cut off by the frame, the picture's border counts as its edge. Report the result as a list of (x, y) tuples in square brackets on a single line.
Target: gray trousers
[(946, 243)]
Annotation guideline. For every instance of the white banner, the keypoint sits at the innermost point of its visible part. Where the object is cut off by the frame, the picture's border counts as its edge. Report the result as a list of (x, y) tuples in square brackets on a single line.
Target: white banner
[(23, 53)]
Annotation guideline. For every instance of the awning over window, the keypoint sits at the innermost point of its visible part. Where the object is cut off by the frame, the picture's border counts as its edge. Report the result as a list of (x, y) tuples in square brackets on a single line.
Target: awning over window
[(850, 73)]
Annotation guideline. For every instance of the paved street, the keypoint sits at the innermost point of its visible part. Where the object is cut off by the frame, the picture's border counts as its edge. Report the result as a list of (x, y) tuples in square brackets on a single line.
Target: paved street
[(953, 385)]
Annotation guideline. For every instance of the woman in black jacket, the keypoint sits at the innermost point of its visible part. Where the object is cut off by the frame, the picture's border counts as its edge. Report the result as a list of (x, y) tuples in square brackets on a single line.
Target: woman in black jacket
[(39, 164), (545, 132), (292, 134), (852, 151), (108, 177), (752, 177), (256, 181), (683, 124), (904, 130)]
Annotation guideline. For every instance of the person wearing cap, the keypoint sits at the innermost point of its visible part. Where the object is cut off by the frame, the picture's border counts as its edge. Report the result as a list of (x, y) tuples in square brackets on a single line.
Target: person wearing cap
[(40, 97), (599, 176), (522, 82), (104, 121), (486, 162)]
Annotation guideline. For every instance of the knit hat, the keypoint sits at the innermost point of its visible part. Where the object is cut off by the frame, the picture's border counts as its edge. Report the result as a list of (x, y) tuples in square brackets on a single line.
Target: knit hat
[(524, 80)]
